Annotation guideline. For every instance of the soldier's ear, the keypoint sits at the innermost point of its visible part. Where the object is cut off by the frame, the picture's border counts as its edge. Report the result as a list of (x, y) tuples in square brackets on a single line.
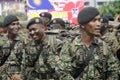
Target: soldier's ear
[(82, 26)]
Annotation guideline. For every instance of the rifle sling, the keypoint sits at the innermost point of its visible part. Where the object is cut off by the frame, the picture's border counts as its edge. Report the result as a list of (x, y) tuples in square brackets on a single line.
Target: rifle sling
[(6, 57), (90, 54), (38, 53), (79, 70)]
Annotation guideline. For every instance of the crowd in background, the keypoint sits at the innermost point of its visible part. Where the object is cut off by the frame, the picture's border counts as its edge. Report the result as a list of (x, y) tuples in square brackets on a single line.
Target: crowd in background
[(54, 49)]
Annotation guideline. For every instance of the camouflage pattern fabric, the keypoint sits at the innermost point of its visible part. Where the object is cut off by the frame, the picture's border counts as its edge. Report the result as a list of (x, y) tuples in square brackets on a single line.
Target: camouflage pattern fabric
[(11, 53), (61, 62), (24, 36), (110, 38), (80, 52), (42, 66), (112, 66), (94, 71)]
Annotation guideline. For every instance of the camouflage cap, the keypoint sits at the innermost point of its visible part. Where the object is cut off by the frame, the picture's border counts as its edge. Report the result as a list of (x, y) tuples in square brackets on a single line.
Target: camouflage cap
[(35, 20)]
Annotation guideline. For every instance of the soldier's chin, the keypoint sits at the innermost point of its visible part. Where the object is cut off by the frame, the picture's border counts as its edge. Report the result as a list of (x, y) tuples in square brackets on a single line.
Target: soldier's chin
[(15, 32), (35, 38), (97, 35)]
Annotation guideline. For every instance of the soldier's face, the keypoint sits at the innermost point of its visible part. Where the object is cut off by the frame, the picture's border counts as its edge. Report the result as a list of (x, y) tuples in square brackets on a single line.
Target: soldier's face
[(1, 30), (56, 26), (118, 36), (45, 20), (93, 27), (14, 27), (36, 31)]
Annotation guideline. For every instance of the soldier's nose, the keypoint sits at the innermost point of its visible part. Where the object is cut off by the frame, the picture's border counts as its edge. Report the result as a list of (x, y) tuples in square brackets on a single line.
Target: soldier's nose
[(32, 32)]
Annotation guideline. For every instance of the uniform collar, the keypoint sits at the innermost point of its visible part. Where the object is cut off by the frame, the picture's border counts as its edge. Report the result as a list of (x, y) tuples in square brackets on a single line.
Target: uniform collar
[(80, 43)]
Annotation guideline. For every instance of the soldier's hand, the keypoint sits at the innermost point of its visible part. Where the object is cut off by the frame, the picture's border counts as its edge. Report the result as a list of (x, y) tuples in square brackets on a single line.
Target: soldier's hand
[(16, 77)]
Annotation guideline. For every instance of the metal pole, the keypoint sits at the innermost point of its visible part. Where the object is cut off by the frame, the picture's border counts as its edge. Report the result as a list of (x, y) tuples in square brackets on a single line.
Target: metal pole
[(94, 3)]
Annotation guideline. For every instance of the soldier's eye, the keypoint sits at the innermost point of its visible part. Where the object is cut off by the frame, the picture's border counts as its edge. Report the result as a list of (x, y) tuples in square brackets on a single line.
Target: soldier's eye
[(99, 19), (30, 30), (14, 24), (94, 20)]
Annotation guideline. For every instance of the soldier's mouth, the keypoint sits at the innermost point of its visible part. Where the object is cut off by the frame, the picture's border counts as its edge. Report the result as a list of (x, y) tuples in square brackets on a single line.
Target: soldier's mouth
[(97, 29), (35, 36), (15, 30)]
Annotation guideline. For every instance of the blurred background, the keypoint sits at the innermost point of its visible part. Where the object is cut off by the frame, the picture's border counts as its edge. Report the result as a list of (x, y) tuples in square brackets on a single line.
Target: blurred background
[(66, 9)]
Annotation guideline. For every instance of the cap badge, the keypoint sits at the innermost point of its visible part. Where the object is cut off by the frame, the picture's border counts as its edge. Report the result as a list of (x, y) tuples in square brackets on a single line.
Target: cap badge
[(43, 14), (37, 20), (54, 21)]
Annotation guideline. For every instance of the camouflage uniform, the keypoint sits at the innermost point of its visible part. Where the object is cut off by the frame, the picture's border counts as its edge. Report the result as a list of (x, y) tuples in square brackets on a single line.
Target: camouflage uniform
[(112, 41), (11, 57), (24, 35), (40, 68), (111, 67), (67, 36), (79, 52), (60, 59), (65, 62)]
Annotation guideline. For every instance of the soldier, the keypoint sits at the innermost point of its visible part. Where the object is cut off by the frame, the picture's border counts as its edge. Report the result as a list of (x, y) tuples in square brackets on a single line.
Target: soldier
[(38, 53), (58, 35), (11, 49), (89, 61), (104, 25), (117, 19), (84, 51), (118, 49), (24, 35), (110, 68), (118, 39), (46, 17), (1, 28), (1, 32), (58, 25), (118, 33), (113, 44), (110, 17)]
